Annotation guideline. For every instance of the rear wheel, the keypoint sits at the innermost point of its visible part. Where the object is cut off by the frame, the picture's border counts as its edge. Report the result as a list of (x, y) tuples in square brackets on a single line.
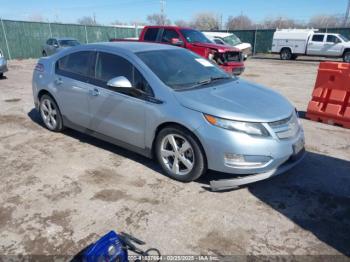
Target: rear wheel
[(50, 114), (179, 154), (1, 75), (346, 57), (286, 54)]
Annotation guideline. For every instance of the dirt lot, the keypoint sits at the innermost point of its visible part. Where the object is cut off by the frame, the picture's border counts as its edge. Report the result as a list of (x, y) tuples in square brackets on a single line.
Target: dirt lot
[(60, 191)]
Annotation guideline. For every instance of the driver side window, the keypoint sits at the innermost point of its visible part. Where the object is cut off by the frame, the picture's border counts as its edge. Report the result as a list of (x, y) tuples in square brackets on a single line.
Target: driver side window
[(168, 34), (109, 66)]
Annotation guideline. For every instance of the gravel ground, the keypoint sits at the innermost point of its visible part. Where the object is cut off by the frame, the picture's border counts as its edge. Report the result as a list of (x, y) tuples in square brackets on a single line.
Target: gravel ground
[(60, 191)]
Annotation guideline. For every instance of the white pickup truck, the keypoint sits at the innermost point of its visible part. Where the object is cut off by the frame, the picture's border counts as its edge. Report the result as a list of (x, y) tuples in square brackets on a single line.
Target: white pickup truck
[(290, 43)]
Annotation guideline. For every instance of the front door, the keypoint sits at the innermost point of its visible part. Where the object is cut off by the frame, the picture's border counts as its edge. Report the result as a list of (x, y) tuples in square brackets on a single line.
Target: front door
[(113, 113), (333, 46)]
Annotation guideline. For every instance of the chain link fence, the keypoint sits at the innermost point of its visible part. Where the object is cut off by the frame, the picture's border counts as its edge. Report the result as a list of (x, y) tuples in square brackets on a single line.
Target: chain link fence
[(261, 39), (19, 39)]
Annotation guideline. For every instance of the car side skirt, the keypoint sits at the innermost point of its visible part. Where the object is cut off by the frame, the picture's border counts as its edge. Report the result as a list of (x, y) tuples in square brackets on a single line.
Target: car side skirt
[(147, 152)]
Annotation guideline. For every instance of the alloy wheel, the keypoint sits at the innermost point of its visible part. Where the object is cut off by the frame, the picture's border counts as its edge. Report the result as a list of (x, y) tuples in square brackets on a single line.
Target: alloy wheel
[(347, 57), (286, 54), (48, 113), (177, 154)]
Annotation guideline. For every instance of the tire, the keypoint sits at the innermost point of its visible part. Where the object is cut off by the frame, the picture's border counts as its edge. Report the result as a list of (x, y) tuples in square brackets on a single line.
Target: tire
[(286, 54), (294, 57), (346, 57), (44, 53), (1, 75), (50, 114), (191, 162)]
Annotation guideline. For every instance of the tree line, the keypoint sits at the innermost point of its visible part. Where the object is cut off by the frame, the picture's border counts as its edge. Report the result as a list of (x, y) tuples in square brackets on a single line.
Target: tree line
[(211, 21)]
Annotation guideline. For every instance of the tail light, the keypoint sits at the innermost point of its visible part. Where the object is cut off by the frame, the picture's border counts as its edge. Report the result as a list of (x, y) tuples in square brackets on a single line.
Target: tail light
[(39, 67)]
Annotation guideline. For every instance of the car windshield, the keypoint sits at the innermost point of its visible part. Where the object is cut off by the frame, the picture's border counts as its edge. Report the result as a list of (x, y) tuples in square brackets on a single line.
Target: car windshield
[(181, 69), (194, 36), (232, 40), (68, 42), (344, 38)]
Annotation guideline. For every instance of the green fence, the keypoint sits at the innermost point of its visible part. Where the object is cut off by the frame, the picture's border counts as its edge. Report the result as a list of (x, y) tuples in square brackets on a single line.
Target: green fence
[(261, 39), (20, 39)]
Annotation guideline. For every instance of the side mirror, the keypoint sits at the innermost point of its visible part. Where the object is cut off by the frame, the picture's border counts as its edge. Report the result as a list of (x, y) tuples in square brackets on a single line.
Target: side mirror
[(120, 82), (176, 41)]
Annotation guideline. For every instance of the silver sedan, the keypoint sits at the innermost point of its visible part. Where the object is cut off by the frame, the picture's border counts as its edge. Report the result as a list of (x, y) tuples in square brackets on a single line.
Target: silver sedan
[(3, 64), (168, 103)]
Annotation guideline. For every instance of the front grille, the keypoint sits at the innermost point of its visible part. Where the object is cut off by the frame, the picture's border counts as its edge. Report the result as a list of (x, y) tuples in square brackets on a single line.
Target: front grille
[(233, 56), (286, 128)]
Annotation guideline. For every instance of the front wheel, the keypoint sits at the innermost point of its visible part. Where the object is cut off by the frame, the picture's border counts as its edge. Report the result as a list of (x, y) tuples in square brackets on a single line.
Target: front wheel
[(1, 75), (346, 57), (179, 154), (286, 54)]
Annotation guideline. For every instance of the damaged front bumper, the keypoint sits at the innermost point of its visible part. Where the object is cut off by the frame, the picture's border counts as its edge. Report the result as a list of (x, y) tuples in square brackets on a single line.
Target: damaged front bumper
[(224, 184)]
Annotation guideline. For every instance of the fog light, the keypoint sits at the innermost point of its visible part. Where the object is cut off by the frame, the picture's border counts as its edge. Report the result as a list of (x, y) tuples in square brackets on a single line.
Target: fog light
[(245, 161)]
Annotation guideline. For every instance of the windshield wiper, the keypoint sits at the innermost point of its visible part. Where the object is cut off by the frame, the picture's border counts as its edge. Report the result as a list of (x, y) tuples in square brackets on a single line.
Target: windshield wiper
[(211, 79)]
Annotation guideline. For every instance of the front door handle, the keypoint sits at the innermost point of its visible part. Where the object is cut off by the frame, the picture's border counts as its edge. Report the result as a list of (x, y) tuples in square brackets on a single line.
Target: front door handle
[(95, 92)]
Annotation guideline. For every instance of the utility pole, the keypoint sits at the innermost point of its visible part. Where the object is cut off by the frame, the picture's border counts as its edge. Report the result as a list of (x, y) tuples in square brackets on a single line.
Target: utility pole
[(347, 14), (162, 12)]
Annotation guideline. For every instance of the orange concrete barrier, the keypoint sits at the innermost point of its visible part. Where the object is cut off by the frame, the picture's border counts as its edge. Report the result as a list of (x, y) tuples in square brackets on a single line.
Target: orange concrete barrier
[(330, 101)]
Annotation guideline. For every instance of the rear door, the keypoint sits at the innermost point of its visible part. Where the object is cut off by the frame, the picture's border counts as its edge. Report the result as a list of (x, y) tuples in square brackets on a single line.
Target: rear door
[(316, 45), (72, 79), (151, 34), (114, 113)]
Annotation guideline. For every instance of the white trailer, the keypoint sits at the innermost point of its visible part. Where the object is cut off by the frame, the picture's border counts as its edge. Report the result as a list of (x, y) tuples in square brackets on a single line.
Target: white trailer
[(290, 43)]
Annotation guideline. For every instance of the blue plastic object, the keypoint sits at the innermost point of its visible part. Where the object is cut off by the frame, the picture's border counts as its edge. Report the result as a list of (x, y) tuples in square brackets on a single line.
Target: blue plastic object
[(109, 248)]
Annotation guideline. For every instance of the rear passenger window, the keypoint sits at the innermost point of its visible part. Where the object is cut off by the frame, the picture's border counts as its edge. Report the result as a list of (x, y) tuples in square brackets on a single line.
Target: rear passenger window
[(76, 65), (151, 34), (317, 38)]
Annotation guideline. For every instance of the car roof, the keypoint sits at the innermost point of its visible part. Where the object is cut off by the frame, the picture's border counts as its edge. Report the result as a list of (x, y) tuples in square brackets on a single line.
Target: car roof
[(134, 46), (168, 27)]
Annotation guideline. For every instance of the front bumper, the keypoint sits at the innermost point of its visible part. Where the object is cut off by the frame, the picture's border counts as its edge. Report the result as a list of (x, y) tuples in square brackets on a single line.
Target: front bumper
[(224, 184), (219, 142)]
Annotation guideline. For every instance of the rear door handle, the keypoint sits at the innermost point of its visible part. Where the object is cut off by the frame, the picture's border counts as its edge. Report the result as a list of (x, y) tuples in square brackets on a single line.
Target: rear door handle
[(58, 81), (95, 92)]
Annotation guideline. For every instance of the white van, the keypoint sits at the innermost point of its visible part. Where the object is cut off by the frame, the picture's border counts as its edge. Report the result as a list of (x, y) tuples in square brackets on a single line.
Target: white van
[(222, 38), (290, 43)]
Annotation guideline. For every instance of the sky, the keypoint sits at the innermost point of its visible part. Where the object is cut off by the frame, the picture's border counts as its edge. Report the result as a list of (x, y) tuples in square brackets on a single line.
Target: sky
[(108, 11)]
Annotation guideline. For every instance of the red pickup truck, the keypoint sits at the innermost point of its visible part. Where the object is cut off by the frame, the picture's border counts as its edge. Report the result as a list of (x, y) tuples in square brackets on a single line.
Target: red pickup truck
[(228, 58)]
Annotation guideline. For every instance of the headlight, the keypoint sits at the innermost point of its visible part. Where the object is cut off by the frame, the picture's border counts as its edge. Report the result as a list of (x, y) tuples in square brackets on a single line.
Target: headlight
[(254, 129)]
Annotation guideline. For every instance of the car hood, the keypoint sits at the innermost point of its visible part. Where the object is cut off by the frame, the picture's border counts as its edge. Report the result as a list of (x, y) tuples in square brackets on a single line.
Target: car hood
[(220, 48), (243, 46), (237, 100)]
